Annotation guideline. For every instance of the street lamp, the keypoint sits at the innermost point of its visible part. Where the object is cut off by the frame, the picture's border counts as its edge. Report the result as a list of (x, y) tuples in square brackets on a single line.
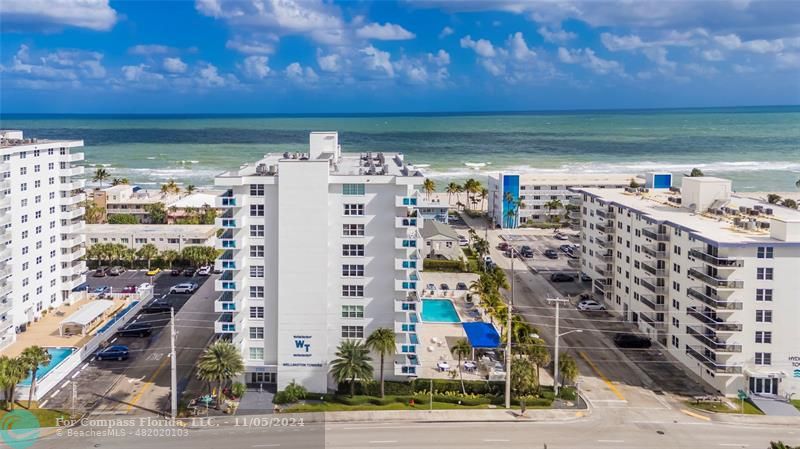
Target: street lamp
[(508, 332), (558, 335)]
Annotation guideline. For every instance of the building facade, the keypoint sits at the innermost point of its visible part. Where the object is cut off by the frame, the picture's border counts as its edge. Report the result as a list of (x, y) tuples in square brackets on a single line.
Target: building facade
[(318, 248), (164, 237), (126, 199), (516, 199), (711, 276), (41, 228)]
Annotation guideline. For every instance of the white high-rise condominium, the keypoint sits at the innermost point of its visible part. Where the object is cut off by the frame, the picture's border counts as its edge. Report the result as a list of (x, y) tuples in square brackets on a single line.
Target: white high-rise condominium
[(712, 276), (319, 248), (41, 228)]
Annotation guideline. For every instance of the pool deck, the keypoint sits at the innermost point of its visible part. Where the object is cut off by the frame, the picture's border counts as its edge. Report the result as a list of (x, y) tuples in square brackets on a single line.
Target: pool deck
[(45, 332)]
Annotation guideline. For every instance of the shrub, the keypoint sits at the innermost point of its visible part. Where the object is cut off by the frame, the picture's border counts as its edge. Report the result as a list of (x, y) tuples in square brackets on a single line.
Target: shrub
[(478, 387), (568, 393), (544, 225), (449, 266), (122, 219), (292, 393), (393, 388), (238, 389)]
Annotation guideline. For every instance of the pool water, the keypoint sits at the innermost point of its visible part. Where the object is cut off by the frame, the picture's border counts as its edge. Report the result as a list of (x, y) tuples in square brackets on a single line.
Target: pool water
[(57, 355), (439, 311)]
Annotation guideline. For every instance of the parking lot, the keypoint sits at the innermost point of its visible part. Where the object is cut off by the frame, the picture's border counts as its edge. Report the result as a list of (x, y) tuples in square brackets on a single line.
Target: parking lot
[(141, 384)]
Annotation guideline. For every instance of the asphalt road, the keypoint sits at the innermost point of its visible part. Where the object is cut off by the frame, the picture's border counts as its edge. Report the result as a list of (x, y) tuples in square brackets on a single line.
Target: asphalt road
[(141, 384)]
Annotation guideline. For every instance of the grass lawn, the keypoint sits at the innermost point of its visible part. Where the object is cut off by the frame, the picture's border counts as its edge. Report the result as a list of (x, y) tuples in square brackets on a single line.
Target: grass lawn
[(46, 417), (718, 407), (336, 407), (796, 403)]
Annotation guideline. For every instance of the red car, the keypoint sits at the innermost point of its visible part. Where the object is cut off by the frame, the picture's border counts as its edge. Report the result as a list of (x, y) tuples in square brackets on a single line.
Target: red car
[(502, 246), (129, 289)]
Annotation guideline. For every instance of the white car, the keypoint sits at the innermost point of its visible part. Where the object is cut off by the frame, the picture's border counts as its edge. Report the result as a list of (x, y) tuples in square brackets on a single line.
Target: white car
[(205, 270), (560, 236), (462, 241), (590, 305), (186, 287)]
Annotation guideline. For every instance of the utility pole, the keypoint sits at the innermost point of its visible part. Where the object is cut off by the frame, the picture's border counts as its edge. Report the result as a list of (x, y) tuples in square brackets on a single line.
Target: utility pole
[(558, 302), (508, 333), (174, 365)]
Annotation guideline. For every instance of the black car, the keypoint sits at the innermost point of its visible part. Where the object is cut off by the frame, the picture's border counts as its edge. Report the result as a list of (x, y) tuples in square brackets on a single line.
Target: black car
[(117, 352), (157, 306), (189, 272), (551, 254), (631, 341), (175, 272), (135, 330), (526, 252), (99, 273), (561, 277)]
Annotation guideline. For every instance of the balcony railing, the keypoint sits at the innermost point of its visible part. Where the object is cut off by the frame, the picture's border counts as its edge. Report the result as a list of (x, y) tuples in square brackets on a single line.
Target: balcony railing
[(712, 364), (605, 213), (655, 235), (714, 323), (602, 285), (711, 342), (607, 244), (656, 324), (658, 289), (650, 302), (607, 258), (654, 252), (714, 281), (722, 262), (714, 301), (657, 272)]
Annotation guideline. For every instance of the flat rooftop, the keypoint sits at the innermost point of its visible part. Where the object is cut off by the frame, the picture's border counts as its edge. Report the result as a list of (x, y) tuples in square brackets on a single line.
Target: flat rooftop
[(348, 164), (577, 179), (10, 138), (186, 231), (718, 228)]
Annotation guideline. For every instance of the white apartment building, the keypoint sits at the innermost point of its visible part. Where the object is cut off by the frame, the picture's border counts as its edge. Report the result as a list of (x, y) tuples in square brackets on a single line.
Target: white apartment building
[(712, 276), (535, 191), (126, 199), (41, 228), (163, 236), (319, 248)]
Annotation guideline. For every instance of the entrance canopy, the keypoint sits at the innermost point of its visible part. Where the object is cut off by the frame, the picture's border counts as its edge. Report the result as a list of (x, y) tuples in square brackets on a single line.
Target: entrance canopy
[(84, 317), (482, 335)]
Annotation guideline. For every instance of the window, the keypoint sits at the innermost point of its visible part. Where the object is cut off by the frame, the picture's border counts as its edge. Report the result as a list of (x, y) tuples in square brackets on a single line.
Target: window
[(763, 358), (353, 230), (256, 353), (353, 189), (256, 210), (764, 274), (763, 294), (351, 270), (352, 331), (763, 337), (256, 189), (257, 333), (256, 230), (353, 291), (352, 311), (763, 316), (256, 291), (256, 312), (256, 271), (352, 250), (765, 252), (354, 209), (256, 250)]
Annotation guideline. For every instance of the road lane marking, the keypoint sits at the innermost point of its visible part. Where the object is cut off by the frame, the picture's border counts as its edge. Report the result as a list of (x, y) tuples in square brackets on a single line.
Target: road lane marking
[(601, 376), (113, 340), (695, 415), (147, 385), (66, 383), (76, 374), (44, 403)]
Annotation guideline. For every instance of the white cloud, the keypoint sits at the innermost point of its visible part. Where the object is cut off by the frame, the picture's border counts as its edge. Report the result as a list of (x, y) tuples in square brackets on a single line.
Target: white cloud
[(446, 31), (24, 15), (659, 56), (482, 47), (586, 57), (788, 60), (209, 76), (519, 48), (672, 38), (441, 58), (262, 44), (385, 32), (296, 72), (556, 34), (140, 73), (151, 49), (72, 66), (712, 55), (759, 46), (377, 60), (329, 63), (256, 67), (174, 65)]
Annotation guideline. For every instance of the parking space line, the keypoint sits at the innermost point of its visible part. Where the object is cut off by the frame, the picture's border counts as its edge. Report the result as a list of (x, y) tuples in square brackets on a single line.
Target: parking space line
[(695, 415), (147, 384), (601, 376)]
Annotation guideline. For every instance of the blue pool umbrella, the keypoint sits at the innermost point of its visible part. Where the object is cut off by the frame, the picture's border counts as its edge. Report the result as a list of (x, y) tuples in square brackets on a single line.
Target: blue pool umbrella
[(482, 335)]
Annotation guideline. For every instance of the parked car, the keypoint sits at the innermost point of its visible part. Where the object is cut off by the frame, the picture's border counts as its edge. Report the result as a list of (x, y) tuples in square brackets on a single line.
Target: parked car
[(588, 305), (100, 272), (444, 286), (216, 270), (205, 270), (561, 277), (487, 260), (157, 306), (526, 251), (101, 289), (186, 287), (116, 271), (502, 246), (461, 286), (154, 271), (135, 330), (560, 236), (509, 252), (129, 289), (175, 272), (116, 352), (189, 272), (551, 254), (463, 241), (585, 277), (566, 248), (631, 341)]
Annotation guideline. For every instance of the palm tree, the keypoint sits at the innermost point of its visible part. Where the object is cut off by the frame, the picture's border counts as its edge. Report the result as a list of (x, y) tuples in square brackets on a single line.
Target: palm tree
[(453, 189), (773, 198), (461, 350), (538, 354), (170, 187), (220, 362), (567, 368), (169, 256), (429, 187), (118, 181), (129, 255), (12, 372), (382, 341), (148, 252), (100, 175), (696, 172), (190, 188), (797, 183), (484, 193), (553, 205), (352, 362), (34, 357)]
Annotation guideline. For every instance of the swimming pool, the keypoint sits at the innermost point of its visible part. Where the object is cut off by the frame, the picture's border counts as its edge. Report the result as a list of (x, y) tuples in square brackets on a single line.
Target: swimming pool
[(57, 355), (439, 311)]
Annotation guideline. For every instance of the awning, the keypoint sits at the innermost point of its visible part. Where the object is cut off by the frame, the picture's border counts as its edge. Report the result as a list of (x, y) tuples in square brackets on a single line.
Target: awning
[(87, 314), (482, 335)]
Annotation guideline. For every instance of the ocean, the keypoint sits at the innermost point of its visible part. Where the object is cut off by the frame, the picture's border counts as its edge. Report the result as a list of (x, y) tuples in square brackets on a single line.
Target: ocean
[(757, 147)]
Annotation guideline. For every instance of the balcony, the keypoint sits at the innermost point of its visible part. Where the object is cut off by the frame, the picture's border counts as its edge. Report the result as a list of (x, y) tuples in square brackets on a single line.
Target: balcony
[(715, 323), (712, 342), (5, 218), (227, 223), (657, 272), (654, 252), (602, 284), (71, 200), (5, 288), (714, 301), (228, 200), (659, 236), (605, 243), (712, 364), (5, 200), (650, 301), (407, 222), (401, 327), (660, 325), (407, 306), (73, 171), (604, 270), (5, 271), (714, 281), (607, 214), (73, 213), (653, 287), (74, 269), (74, 184), (405, 286), (406, 201), (70, 282), (225, 324), (76, 227), (405, 243), (69, 256), (226, 285), (5, 252), (406, 348), (71, 157), (408, 263), (716, 261), (225, 303), (5, 305), (605, 258), (406, 365)]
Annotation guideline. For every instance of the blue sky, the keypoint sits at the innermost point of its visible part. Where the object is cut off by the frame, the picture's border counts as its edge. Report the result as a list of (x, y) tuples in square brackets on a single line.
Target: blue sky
[(289, 56)]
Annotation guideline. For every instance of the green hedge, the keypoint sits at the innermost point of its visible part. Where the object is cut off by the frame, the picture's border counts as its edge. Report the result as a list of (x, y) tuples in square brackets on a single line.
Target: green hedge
[(545, 225), (392, 388), (454, 386), (449, 266)]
